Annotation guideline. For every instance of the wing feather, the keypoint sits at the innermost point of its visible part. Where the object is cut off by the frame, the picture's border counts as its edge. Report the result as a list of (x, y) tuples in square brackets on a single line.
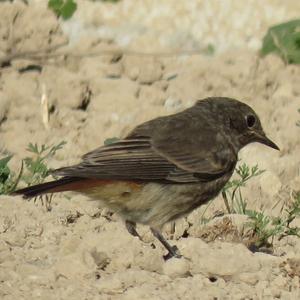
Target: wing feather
[(161, 150)]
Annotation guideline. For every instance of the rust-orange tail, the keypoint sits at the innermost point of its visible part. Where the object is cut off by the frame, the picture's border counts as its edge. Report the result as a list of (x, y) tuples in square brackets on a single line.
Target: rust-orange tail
[(60, 185)]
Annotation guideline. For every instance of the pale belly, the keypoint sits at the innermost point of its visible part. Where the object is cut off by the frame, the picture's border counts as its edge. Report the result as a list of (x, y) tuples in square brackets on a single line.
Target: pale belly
[(154, 204)]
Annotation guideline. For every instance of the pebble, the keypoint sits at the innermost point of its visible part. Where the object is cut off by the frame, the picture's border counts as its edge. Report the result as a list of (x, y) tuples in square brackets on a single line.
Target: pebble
[(176, 268)]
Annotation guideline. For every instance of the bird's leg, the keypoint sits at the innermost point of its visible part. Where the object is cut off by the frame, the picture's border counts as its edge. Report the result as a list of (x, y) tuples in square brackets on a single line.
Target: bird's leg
[(131, 227), (173, 250)]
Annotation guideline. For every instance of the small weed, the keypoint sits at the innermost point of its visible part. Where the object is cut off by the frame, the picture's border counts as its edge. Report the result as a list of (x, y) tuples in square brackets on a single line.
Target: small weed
[(63, 8), (232, 194), (264, 228), (66, 8), (8, 179), (36, 168), (291, 213), (33, 170)]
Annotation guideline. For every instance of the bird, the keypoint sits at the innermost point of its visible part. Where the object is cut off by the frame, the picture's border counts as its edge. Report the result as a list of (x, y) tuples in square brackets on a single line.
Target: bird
[(164, 168)]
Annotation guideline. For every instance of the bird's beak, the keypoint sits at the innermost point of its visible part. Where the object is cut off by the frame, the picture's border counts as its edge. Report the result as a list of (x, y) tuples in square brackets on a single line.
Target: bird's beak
[(263, 139)]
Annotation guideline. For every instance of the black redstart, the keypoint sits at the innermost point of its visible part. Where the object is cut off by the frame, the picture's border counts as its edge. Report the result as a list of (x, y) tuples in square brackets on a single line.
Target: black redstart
[(166, 167)]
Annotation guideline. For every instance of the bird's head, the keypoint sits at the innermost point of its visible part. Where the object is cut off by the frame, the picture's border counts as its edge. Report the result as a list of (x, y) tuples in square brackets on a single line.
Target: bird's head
[(241, 123)]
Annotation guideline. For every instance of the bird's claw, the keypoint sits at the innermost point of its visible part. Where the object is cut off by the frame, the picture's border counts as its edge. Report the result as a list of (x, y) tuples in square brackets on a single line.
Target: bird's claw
[(174, 252)]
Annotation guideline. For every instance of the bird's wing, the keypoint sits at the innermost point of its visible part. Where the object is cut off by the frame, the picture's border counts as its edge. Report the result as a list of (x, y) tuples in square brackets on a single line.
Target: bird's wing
[(124, 160), (193, 144), (148, 157)]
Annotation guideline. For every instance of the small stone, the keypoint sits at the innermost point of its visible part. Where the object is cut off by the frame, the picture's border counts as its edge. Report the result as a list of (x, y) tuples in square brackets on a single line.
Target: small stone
[(176, 268), (218, 258)]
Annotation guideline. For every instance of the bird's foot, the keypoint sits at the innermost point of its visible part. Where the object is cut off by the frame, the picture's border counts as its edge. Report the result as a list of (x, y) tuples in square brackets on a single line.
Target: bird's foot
[(173, 252)]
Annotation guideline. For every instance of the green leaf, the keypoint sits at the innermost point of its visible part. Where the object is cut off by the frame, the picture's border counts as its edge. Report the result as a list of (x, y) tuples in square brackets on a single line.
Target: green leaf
[(4, 161), (63, 8), (4, 169), (55, 5), (32, 148), (283, 40), (68, 9)]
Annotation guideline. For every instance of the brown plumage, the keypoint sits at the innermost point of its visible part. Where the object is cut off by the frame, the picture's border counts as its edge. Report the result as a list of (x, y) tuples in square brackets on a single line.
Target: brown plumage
[(165, 167)]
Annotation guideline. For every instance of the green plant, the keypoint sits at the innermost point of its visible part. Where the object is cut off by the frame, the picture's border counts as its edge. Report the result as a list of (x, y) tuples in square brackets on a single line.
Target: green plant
[(8, 179), (291, 213), (263, 228), (232, 194), (33, 169), (283, 40), (63, 8), (36, 167)]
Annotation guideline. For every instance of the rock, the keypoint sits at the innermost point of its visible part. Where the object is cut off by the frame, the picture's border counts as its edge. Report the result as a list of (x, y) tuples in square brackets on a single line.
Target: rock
[(218, 258), (176, 268)]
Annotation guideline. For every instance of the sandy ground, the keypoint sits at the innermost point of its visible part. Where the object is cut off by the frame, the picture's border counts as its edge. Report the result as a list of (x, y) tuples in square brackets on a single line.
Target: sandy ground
[(77, 251)]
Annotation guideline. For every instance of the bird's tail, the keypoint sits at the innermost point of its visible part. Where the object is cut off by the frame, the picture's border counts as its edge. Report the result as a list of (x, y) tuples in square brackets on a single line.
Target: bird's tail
[(60, 185)]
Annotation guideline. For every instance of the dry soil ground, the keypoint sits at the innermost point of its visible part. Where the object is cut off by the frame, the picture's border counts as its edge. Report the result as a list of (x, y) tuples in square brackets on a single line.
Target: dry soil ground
[(77, 251)]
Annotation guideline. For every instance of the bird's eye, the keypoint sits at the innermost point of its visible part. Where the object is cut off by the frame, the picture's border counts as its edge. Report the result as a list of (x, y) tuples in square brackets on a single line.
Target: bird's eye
[(250, 119)]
